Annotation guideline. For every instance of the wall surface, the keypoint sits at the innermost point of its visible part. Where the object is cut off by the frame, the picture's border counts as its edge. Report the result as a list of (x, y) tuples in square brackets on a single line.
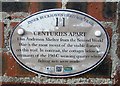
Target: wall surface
[(107, 73)]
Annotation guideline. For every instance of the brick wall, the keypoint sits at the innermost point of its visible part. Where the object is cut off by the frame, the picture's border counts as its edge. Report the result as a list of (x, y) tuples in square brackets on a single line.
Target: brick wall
[(14, 12)]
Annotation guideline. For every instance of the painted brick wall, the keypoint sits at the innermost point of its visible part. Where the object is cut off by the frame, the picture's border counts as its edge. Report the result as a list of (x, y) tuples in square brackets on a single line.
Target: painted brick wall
[(106, 12)]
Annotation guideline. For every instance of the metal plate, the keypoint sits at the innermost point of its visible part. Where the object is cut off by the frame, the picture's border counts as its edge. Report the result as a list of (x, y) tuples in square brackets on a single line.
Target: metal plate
[(59, 43)]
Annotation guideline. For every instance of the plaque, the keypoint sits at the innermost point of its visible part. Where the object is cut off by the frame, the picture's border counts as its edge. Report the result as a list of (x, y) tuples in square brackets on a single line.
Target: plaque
[(59, 43)]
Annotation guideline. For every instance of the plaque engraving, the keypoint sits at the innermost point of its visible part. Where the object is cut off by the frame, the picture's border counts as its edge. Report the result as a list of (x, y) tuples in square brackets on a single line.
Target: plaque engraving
[(59, 43)]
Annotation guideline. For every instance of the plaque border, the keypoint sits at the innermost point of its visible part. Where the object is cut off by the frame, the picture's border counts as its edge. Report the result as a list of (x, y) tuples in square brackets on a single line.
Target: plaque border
[(62, 75)]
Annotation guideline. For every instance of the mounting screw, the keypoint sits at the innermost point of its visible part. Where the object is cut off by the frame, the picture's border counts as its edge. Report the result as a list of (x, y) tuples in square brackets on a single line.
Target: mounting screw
[(98, 33), (21, 31)]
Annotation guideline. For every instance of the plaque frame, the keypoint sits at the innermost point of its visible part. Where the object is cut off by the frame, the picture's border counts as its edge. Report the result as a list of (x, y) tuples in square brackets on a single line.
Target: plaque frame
[(64, 75)]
